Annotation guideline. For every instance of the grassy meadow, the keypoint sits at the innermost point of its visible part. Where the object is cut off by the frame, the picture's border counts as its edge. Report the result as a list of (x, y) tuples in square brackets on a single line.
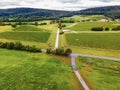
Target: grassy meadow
[(85, 17), (26, 36), (100, 74), (28, 71), (95, 40), (28, 28), (86, 26), (5, 28)]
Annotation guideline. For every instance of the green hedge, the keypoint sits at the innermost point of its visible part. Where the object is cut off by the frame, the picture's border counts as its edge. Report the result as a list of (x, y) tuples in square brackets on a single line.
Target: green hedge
[(19, 46), (59, 51)]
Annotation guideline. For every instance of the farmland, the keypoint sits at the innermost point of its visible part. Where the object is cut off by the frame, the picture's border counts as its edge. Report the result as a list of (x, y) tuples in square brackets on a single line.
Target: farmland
[(99, 74), (28, 71), (27, 28), (95, 40), (42, 71), (26, 36), (86, 26), (85, 17)]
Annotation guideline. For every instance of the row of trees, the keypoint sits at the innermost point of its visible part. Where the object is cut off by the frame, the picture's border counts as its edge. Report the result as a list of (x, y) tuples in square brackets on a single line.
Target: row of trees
[(100, 29), (36, 24), (116, 28), (19, 46), (21, 23), (59, 51), (105, 29)]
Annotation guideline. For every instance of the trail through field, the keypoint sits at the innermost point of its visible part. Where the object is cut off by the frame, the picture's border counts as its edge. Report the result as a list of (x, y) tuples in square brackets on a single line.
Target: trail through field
[(100, 57), (77, 73), (57, 39), (72, 25), (91, 56)]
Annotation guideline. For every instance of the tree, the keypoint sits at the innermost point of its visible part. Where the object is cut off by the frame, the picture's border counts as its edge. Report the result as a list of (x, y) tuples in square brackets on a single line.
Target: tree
[(60, 25), (68, 52), (36, 24), (107, 29), (1, 22), (14, 25)]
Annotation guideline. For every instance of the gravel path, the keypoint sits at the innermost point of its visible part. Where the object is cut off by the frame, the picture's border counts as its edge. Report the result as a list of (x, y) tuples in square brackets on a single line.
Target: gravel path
[(57, 39), (86, 55), (100, 57), (77, 72)]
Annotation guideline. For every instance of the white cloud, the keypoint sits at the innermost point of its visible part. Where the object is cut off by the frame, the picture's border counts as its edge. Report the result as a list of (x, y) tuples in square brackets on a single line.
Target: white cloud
[(58, 4)]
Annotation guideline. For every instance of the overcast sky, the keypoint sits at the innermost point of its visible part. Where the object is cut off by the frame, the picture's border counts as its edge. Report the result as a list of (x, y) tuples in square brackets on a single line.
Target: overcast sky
[(57, 4)]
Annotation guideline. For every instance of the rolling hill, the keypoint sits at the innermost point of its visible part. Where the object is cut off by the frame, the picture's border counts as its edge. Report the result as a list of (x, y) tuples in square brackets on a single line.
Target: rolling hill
[(110, 11), (33, 14)]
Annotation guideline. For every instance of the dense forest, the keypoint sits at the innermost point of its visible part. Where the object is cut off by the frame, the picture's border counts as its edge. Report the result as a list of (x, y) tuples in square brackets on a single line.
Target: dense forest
[(32, 14), (110, 11)]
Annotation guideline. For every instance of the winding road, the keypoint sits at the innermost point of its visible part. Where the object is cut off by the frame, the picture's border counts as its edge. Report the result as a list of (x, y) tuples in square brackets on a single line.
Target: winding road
[(77, 72), (86, 55), (100, 57)]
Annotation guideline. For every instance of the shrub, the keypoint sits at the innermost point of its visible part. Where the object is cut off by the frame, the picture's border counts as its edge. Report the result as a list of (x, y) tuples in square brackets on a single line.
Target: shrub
[(59, 51), (97, 29), (43, 23), (14, 25), (49, 51), (61, 32), (19, 46), (107, 29), (10, 45), (116, 28), (68, 52), (63, 26), (3, 45)]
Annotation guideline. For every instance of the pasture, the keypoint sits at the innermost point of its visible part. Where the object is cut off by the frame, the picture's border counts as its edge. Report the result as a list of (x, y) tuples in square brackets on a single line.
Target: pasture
[(5, 28), (26, 36), (27, 28), (100, 74), (95, 40), (28, 71), (86, 26), (85, 17)]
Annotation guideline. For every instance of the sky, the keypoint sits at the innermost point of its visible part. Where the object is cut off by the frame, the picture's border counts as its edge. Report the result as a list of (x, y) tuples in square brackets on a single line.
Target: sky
[(57, 4)]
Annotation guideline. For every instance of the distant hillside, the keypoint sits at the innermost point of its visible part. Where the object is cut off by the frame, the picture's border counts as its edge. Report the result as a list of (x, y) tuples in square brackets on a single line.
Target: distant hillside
[(29, 14), (32, 14), (110, 11)]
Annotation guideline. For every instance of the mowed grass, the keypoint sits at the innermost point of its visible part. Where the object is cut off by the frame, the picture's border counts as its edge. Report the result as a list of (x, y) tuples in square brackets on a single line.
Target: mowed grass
[(5, 28), (86, 26), (100, 74), (26, 36), (28, 71), (28, 28), (95, 40), (49, 27)]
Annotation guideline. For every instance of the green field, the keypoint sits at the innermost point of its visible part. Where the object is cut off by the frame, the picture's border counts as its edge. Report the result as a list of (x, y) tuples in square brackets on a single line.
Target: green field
[(28, 28), (86, 26), (100, 74), (85, 17), (26, 36), (95, 40), (5, 28), (28, 71)]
